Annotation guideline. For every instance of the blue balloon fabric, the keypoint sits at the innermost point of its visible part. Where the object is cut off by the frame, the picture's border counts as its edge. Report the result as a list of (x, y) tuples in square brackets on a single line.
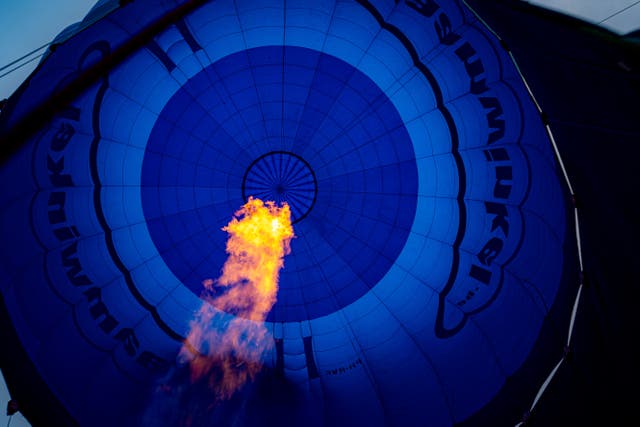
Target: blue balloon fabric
[(429, 215)]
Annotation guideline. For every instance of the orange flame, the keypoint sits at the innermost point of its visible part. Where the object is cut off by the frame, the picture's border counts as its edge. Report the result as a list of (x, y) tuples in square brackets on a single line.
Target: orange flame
[(229, 352)]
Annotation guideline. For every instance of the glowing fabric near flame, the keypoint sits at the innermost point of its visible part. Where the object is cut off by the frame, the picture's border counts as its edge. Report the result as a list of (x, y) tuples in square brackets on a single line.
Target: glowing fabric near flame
[(228, 352)]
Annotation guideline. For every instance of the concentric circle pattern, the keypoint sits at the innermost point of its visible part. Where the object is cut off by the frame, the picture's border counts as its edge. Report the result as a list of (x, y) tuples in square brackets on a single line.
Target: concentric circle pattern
[(245, 126), (429, 219), (282, 177)]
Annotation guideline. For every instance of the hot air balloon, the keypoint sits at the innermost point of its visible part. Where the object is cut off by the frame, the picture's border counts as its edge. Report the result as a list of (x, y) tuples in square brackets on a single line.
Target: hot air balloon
[(435, 264)]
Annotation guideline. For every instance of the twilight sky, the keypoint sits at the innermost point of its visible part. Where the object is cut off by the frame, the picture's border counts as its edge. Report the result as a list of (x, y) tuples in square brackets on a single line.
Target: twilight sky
[(28, 25)]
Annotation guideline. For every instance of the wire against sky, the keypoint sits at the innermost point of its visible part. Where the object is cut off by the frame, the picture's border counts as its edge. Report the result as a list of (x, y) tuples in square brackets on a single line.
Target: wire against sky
[(24, 56), (17, 67), (619, 12), (29, 28)]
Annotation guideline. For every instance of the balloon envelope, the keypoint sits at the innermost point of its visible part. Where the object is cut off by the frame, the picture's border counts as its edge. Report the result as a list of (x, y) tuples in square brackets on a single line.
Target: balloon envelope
[(430, 220)]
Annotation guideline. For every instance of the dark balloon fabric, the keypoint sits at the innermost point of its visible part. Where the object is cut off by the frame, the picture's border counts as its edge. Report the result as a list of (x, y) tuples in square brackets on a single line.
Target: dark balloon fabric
[(426, 201)]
